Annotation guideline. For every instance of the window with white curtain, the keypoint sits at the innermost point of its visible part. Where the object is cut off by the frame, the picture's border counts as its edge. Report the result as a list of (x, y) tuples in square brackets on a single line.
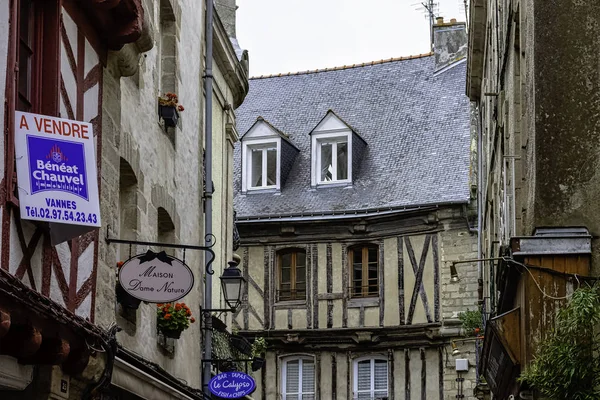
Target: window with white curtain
[(370, 378), (298, 379)]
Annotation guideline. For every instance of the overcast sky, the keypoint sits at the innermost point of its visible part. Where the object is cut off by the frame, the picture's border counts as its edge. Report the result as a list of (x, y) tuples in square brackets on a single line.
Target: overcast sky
[(298, 35)]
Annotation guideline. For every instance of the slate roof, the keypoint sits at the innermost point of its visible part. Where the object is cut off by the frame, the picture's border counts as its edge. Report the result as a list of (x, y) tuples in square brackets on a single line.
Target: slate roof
[(416, 124)]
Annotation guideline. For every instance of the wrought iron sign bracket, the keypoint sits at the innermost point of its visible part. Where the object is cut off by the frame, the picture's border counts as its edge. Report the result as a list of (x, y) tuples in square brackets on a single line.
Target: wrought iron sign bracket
[(210, 240)]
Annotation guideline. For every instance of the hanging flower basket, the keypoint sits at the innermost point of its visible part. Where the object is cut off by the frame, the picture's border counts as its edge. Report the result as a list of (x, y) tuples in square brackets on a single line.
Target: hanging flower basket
[(241, 343), (172, 319), (123, 297), (169, 109), (257, 363)]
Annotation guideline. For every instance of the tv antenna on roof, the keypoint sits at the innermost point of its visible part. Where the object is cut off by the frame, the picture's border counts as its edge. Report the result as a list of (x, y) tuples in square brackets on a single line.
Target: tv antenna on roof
[(464, 6), (430, 9)]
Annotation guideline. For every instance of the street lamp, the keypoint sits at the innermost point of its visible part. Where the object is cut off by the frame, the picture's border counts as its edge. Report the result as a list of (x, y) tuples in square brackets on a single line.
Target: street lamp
[(231, 284)]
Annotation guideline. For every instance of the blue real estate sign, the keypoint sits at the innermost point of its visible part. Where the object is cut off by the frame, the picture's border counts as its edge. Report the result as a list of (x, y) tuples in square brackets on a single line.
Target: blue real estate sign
[(232, 385), (56, 170)]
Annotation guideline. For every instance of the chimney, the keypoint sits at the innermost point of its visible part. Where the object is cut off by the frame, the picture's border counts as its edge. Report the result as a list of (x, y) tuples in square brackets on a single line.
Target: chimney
[(226, 10), (449, 42)]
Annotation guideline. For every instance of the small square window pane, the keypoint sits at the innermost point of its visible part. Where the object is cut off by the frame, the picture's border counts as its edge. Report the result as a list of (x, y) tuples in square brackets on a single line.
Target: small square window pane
[(342, 160), (372, 254), (301, 259), (300, 274), (256, 168), (326, 162), (286, 260), (271, 167), (285, 275)]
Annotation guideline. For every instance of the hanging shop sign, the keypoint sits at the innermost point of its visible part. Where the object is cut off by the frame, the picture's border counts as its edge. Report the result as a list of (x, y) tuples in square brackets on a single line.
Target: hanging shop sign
[(56, 170), (156, 277), (232, 385)]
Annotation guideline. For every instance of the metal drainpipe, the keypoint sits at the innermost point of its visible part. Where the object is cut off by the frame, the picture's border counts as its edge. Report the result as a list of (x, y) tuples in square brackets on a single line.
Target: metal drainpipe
[(479, 202), (208, 89)]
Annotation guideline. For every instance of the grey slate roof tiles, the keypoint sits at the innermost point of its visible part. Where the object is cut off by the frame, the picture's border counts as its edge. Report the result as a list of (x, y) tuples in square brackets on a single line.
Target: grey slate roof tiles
[(416, 125)]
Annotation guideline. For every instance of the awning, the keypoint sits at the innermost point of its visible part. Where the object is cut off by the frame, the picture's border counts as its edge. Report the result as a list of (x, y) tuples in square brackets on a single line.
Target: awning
[(148, 380)]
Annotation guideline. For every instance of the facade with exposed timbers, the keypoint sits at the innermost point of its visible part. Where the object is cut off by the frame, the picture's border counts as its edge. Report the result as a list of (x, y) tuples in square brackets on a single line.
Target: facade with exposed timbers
[(353, 197), (106, 62)]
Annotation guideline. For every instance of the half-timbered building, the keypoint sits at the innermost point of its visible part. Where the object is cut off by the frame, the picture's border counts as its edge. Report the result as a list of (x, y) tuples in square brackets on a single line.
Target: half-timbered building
[(353, 196), (106, 62)]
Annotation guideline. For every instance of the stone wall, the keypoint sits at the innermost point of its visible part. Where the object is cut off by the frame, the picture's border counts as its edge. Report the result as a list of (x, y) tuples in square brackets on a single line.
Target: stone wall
[(166, 164)]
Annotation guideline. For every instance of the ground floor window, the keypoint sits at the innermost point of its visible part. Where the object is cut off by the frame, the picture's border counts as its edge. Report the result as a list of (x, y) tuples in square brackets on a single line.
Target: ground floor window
[(298, 379), (370, 378)]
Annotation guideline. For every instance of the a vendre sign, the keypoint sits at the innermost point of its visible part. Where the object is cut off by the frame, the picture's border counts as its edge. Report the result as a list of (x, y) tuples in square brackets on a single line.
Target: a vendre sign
[(56, 170)]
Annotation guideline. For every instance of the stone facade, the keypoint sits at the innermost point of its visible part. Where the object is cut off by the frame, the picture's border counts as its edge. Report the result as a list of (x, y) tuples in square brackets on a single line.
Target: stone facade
[(533, 75), (166, 164)]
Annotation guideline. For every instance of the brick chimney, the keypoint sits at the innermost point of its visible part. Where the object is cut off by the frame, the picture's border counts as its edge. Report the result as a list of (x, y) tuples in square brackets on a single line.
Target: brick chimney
[(449, 42), (226, 10)]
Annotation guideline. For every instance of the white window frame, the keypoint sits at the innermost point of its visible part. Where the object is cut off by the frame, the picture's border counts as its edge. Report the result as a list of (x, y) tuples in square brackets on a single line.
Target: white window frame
[(372, 359), (300, 360), (335, 136), (248, 146)]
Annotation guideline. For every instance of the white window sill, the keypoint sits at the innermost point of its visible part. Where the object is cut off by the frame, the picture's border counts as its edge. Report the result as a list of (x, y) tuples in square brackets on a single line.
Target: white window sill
[(336, 184)]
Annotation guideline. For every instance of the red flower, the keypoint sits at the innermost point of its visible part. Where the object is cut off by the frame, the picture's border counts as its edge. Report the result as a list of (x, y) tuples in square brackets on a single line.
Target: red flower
[(120, 264), (192, 320), (188, 312), (180, 108), (159, 305), (166, 309), (167, 316), (177, 307)]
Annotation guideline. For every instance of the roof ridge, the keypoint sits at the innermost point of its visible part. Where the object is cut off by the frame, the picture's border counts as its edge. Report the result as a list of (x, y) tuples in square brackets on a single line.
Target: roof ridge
[(366, 64)]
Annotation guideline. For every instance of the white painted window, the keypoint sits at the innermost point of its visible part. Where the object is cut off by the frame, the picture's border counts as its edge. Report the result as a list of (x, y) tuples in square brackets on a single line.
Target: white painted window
[(332, 161), (261, 165), (298, 379), (370, 378)]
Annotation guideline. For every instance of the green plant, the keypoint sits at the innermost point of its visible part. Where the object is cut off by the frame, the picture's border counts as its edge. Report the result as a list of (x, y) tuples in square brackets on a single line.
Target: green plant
[(471, 322), (566, 364), (174, 317), (259, 347)]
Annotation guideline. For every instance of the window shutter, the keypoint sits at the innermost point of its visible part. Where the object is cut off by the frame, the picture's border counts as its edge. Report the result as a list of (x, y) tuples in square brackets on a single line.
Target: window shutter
[(292, 378), (364, 375), (308, 379), (381, 377)]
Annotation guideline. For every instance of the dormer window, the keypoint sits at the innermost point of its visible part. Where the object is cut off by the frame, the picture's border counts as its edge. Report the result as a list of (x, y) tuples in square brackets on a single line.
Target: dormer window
[(267, 157), (262, 165), (333, 159), (336, 151)]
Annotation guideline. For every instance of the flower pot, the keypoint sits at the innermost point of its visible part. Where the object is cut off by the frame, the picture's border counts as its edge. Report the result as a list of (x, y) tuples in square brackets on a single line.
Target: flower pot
[(173, 334), (125, 299), (257, 363), (168, 114), (240, 343)]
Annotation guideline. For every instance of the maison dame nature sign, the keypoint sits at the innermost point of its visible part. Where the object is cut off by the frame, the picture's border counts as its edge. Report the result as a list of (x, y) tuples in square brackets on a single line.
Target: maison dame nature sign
[(156, 277), (232, 385)]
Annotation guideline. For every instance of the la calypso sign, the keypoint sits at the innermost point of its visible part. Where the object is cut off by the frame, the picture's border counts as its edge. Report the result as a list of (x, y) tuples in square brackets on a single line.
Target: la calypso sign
[(156, 277), (232, 385)]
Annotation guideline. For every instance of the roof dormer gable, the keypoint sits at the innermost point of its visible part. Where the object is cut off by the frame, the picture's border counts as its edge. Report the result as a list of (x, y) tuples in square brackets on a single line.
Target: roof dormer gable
[(267, 157), (336, 151)]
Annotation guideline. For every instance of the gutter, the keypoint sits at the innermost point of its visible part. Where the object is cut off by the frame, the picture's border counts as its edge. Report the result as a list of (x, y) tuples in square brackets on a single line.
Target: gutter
[(345, 214)]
